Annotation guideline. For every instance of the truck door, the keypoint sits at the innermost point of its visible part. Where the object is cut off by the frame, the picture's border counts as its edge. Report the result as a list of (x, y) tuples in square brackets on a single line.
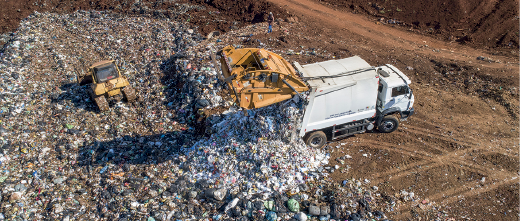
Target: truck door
[(399, 98)]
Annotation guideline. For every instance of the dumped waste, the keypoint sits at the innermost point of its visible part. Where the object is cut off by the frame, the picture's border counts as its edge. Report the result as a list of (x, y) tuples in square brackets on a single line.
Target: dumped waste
[(181, 151)]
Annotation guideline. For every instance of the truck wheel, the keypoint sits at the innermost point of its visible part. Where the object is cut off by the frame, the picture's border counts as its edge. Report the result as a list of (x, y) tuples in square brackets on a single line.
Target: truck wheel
[(129, 93), (316, 139), (388, 124)]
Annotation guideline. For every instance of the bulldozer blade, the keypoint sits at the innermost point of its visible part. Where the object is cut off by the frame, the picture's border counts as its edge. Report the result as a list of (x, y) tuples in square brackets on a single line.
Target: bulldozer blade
[(219, 74), (258, 77)]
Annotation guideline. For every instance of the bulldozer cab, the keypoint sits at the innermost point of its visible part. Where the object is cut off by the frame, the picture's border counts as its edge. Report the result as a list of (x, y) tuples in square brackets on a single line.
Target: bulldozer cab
[(105, 72), (99, 72)]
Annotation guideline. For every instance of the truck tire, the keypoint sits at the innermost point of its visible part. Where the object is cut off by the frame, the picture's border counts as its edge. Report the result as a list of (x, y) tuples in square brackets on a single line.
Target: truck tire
[(388, 124), (316, 139), (129, 93)]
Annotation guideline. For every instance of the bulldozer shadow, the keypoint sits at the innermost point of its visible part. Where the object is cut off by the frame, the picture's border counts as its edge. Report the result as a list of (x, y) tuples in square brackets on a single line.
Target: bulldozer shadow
[(132, 150), (77, 95), (80, 98)]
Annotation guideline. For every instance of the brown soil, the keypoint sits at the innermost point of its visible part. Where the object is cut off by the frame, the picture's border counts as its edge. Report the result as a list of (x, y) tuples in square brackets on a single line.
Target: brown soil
[(481, 23), (460, 150)]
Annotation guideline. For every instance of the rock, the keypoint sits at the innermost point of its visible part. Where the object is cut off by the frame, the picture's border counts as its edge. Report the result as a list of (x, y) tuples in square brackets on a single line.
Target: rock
[(269, 205), (15, 196), (58, 180), (300, 216), (303, 187), (202, 103), (335, 212), (20, 188), (57, 208), (271, 216), (293, 205), (193, 194), (324, 210), (314, 210), (324, 218), (378, 214), (354, 217), (231, 204), (217, 194)]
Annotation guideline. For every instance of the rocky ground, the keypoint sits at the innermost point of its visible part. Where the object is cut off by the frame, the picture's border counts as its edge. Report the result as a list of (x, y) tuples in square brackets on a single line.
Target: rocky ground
[(457, 158)]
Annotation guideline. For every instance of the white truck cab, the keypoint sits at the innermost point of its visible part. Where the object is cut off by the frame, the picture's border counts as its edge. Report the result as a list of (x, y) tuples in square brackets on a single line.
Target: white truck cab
[(394, 96)]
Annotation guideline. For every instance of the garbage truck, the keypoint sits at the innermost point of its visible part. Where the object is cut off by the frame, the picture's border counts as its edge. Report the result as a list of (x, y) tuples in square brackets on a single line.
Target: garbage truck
[(345, 97)]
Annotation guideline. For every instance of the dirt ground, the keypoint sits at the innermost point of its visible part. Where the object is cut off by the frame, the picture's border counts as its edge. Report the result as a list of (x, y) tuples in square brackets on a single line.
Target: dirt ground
[(460, 150)]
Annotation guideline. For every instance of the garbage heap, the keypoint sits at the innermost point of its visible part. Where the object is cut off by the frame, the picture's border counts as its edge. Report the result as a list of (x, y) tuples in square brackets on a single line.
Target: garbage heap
[(159, 158)]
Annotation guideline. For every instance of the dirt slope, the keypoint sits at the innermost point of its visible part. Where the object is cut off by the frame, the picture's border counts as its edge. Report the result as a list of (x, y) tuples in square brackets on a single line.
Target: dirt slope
[(481, 23)]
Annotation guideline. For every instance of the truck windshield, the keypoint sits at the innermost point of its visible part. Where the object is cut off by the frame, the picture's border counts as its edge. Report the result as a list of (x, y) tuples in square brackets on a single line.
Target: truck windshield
[(105, 72), (396, 91)]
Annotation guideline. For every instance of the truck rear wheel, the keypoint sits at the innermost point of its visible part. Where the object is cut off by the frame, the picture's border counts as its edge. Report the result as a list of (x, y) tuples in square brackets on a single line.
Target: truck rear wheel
[(316, 139), (129, 93), (388, 124)]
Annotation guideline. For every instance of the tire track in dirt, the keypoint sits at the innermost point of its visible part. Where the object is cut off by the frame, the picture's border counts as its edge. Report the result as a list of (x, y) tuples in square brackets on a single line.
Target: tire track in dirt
[(446, 156), (455, 159)]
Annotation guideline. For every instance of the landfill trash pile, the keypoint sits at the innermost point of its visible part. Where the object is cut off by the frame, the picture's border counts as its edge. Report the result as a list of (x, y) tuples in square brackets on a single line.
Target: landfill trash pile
[(160, 158)]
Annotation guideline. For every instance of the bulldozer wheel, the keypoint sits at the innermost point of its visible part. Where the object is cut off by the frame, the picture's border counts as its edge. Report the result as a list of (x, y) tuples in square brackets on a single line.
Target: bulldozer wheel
[(129, 93), (101, 102)]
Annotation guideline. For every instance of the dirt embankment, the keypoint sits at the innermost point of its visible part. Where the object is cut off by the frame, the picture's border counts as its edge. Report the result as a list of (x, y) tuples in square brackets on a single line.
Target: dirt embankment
[(479, 23)]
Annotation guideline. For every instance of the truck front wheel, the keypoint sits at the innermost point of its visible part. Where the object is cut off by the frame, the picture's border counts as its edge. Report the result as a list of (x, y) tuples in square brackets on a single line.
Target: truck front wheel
[(316, 139), (388, 124)]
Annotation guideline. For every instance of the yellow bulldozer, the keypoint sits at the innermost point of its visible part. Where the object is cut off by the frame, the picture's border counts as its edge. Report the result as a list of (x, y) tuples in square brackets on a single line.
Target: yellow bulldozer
[(258, 77), (106, 81)]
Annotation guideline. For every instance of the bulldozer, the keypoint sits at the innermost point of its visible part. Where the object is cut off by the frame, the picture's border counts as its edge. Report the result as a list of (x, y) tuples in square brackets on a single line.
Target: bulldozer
[(258, 77), (106, 81)]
